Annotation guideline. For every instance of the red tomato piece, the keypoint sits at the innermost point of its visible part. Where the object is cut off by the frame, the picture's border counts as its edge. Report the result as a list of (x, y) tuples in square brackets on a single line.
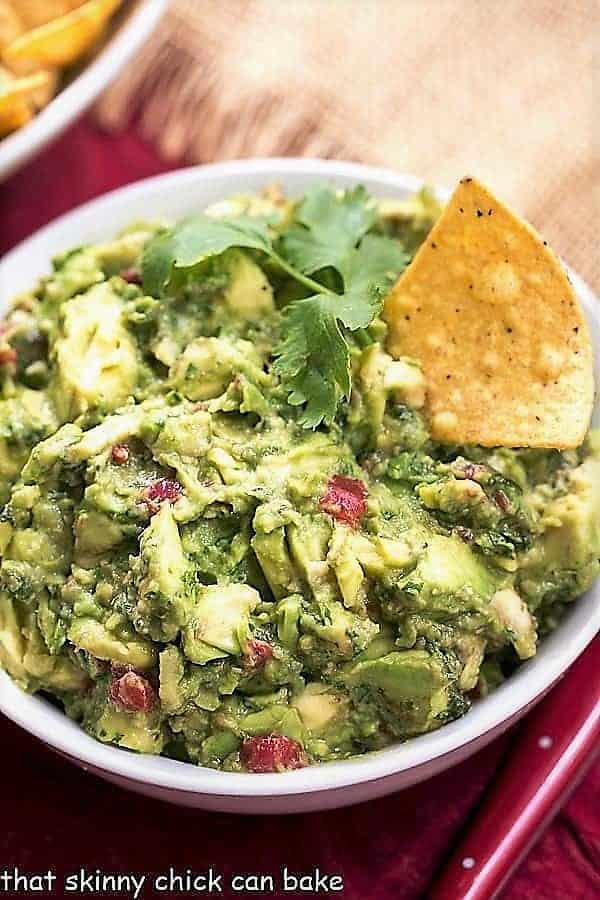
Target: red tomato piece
[(159, 491), (133, 692), (345, 499), (272, 753)]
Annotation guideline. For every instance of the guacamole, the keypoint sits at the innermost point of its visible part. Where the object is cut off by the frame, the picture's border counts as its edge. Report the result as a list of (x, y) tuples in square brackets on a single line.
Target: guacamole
[(226, 535)]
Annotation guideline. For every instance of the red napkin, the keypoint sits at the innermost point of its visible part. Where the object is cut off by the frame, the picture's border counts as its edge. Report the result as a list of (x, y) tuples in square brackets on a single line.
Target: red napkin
[(54, 815)]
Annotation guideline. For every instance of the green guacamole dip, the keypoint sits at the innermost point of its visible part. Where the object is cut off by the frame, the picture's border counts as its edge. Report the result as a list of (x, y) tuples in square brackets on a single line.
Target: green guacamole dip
[(197, 562)]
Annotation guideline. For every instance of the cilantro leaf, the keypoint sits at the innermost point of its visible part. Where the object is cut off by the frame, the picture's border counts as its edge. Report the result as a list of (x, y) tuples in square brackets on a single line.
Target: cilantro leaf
[(368, 273), (196, 240), (330, 226), (376, 262), (157, 264), (313, 359)]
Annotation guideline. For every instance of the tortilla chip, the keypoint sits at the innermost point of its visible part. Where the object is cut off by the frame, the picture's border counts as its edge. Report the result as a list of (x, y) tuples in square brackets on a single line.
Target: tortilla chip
[(14, 92), (15, 106), (11, 25), (34, 13), (489, 311), (43, 95), (14, 117), (62, 41)]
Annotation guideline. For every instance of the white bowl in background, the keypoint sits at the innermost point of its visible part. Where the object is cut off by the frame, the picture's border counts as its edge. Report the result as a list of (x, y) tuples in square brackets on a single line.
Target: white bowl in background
[(332, 784), (132, 26)]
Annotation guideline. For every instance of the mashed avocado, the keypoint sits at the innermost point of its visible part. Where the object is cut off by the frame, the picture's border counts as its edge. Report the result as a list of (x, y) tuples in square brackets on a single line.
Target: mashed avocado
[(210, 554)]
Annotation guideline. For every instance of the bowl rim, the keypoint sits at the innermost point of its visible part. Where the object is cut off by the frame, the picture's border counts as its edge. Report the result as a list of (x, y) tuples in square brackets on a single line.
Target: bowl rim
[(17, 148), (487, 718)]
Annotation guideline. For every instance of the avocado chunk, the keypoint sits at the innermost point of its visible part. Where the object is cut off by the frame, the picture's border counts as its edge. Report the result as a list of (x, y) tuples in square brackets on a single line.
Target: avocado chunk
[(381, 377), (113, 430), (331, 629), (12, 643), (209, 364), (91, 635), (49, 453), (38, 553), (217, 546), (447, 593), (248, 293), (95, 355), (95, 533), (326, 715), (318, 707), (276, 719), (348, 571), (137, 731), (517, 620), (413, 674), (218, 621), (412, 686), (447, 565), (24, 655), (288, 615), (171, 675), (55, 672), (565, 558), (160, 578), (380, 555), (74, 272), (25, 419), (125, 251), (272, 553), (186, 686)]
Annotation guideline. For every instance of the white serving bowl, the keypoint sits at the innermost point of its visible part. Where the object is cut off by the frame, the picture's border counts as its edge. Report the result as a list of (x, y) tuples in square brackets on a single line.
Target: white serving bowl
[(132, 25), (333, 784)]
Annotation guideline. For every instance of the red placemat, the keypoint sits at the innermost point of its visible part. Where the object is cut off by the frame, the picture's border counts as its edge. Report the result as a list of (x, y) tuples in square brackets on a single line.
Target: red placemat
[(55, 816)]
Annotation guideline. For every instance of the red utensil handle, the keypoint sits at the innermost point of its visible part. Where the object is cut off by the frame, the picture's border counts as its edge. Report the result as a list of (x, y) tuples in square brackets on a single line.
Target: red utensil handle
[(558, 743)]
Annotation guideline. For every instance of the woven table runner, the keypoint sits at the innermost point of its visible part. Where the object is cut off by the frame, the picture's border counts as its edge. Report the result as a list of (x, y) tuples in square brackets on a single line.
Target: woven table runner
[(503, 89)]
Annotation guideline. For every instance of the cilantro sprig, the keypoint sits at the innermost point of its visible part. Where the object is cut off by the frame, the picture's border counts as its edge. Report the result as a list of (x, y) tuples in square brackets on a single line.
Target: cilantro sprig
[(331, 231)]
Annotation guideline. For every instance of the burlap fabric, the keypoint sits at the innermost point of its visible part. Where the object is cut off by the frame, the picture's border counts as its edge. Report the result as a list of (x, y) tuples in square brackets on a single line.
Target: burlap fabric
[(505, 89)]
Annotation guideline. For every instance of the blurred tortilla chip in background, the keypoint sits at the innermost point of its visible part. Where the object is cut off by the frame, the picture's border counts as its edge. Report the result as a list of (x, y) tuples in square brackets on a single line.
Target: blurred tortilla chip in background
[(61, 41), (488, 310), (38, 12), (14, 116), (38, 39), (18, 98), (11, 24)]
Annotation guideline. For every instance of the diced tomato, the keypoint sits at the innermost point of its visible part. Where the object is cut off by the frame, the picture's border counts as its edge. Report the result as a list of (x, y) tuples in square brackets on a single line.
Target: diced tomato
[(465, 534), (132, 692), (8, 356), (502, 501), (131, 275), (159, 491), (345, 499), (259, 653), (119, 454), (272, 753)]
